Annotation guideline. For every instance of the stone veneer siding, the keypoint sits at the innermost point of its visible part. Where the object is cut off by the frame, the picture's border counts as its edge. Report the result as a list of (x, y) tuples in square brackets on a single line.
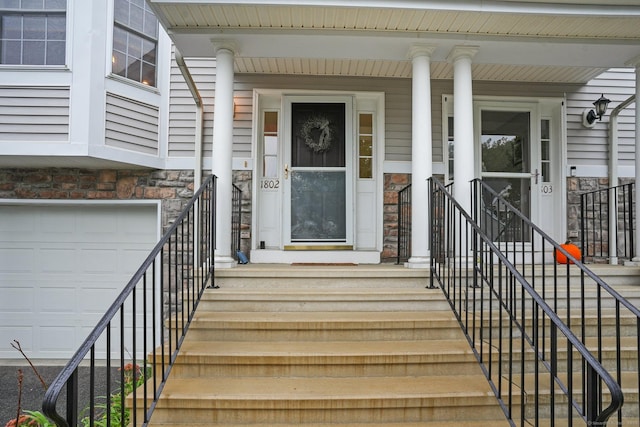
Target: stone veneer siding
[(243, 180), (393, 182), (174, 188), (577, 186)]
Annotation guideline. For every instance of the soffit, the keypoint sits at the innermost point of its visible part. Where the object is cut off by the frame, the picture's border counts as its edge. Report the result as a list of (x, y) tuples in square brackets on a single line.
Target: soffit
[(579, 41), (183, 16), (402, 69)]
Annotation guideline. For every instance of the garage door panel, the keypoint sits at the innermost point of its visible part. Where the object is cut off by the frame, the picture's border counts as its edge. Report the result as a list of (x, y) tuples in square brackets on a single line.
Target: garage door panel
[(55, 338), (55, 225), (61, 267), (16, 299), (12, 224), (19, 332), (96, 301), (132, 259), (99, 261), (57, 260), (16, 260), (56, 300)]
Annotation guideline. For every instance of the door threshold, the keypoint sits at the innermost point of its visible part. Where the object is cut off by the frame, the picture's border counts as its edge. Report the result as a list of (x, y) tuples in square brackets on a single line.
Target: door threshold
[(276, 256), (318, 247)]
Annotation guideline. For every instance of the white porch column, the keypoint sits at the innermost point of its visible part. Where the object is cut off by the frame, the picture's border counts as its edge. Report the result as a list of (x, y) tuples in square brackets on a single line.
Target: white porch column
[(222, 155), (421, 154), (636, 62), (463, 146)]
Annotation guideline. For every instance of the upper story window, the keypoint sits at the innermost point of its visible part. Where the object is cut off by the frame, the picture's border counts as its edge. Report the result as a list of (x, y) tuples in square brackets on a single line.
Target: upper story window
[(135, 41), (33, 32)]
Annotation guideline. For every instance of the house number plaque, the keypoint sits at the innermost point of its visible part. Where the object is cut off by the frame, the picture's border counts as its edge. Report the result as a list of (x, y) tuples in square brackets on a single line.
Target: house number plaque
[(269, 184)]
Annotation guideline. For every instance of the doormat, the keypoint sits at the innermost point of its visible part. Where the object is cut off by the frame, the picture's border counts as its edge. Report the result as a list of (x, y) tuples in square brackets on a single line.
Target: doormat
[(325, 264)]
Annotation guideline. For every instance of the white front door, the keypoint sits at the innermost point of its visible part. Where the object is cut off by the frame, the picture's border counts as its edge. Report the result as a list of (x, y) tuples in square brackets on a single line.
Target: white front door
[(518, 157), (318, 173)]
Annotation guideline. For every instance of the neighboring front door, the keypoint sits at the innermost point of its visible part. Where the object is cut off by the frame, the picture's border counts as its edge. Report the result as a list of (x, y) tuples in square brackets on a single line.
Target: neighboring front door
[(318, 184), (510, 165)]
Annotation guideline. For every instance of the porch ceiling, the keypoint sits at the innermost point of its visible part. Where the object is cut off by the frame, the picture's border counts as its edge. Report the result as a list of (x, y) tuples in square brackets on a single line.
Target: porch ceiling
[(527, 40)]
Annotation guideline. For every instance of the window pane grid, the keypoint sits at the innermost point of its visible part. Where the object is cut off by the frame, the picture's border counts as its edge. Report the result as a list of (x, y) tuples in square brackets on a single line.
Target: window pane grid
[(135, 43), (32, 38)]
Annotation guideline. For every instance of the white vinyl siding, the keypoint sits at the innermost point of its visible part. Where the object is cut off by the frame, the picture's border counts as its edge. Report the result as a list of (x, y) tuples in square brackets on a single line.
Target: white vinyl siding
[(182, 107), (589, 146), (131, 125), (34, 114), (182, 110), (585, 146)]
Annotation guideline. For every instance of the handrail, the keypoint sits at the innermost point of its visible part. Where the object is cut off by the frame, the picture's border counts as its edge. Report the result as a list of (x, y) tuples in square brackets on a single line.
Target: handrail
[(517, 336), (567, 288), (599, 217), (147, 321)]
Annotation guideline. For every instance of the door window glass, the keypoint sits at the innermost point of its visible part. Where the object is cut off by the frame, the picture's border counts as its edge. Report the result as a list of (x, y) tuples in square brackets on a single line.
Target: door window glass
[(365, 146), (506, 168), (318, 135), (318, 206), (545, 150), (270, 149)]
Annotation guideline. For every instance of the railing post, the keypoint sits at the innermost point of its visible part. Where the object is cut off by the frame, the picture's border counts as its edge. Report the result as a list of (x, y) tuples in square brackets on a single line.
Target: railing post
[(612, 201), (632, 210), (593, 396), (583, 227), (72, 400)]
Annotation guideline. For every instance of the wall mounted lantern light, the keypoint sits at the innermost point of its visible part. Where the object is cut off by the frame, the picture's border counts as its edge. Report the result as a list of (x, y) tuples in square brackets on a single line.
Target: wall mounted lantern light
[(589, 116)]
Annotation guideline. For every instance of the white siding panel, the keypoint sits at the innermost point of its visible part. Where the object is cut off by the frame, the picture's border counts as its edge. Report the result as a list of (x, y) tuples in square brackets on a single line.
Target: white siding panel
[(131, 125), (589, 147), (182, 110), (616, 84), (34, 114)]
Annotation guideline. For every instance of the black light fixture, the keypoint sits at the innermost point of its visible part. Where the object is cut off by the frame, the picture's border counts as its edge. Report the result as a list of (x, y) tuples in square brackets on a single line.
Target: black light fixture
[(589, 116)]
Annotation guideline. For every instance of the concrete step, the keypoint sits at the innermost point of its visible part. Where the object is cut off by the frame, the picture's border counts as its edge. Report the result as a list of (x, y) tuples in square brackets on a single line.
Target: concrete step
[(328, 400), (324, 326), (273, 276), (327, 299), (325, 358), (477, 423)]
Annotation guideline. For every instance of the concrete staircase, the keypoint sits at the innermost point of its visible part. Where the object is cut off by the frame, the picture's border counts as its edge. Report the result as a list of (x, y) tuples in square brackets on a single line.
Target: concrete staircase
[(337, 345), (329, 345)]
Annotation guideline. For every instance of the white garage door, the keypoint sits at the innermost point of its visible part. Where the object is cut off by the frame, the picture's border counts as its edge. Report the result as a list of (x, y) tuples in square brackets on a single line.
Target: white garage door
[(61, 267)]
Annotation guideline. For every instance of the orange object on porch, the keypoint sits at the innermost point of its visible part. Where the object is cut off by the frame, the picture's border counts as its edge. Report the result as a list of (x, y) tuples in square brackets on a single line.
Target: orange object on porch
[(572, 249)]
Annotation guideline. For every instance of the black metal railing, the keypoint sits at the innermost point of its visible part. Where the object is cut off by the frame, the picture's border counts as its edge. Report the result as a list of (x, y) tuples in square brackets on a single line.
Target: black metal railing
[(236, 221), (117, 375), (404, 224), (605, 322), (541, 372), (602, 238)]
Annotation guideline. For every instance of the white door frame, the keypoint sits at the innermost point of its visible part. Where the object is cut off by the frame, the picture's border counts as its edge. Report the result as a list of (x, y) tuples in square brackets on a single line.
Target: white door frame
[(371, 102), (552, 109)]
